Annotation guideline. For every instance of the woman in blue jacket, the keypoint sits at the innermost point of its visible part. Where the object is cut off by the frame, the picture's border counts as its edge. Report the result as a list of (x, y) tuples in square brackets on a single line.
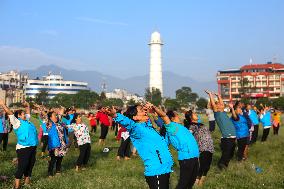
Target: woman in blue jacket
[(185, 144), (57, 143), (27, 142), (151, 147), (242, 131)]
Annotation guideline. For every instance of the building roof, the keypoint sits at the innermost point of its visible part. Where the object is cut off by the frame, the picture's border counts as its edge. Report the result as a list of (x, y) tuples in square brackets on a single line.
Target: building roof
[(263, 66)]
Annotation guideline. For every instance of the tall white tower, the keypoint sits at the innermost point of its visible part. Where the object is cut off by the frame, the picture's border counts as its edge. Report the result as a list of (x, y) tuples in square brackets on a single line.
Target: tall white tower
[(156, 78)]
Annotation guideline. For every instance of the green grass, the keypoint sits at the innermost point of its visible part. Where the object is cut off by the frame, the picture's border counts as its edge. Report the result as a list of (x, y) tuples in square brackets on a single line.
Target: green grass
[(105, 172)]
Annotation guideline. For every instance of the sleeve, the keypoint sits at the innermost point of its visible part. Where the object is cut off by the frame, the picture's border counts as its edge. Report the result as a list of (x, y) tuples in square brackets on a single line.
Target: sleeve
[(28, 116), (14, 121), (171, 127), (127, 123)]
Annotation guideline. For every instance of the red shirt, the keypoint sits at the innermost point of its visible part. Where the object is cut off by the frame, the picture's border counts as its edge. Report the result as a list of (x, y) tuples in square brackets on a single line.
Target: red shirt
[(92, 121), (103, 118)]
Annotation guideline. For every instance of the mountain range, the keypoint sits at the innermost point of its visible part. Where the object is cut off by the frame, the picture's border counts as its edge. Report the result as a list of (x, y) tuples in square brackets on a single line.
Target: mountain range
[(137, 84)]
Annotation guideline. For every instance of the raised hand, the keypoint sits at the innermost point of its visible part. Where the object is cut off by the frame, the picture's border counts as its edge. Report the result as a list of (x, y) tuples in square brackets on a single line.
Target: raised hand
[(208, 92), (2, 102), (231, 105)]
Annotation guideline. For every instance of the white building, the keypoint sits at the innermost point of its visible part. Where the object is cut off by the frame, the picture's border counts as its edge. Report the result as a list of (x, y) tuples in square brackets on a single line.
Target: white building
[(124, 95), (12, 79), (53, 84), (156, 78)]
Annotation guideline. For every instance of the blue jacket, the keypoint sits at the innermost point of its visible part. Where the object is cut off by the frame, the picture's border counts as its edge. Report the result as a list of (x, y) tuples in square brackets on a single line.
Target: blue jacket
[(53, 138), (241, 126), (151, 147), (253, 117), (265, 119), (26, 133), (182, 140), (68, 122), (2, 124)]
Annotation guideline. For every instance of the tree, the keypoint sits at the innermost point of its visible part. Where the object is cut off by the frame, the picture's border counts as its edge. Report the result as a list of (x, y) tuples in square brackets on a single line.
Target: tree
[(264, 101), (171, 104), (102, 96), (85, 98), (278, 103), (185, 96), (113, 102), (154, 96), (202, 103), (62, 99), (42, 97)]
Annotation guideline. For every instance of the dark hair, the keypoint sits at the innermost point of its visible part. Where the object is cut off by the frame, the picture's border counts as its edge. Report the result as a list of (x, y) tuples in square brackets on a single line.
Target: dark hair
[(74, 118), (131, 112), (188, 118), (17, 113), (170, 114), (49, 114)]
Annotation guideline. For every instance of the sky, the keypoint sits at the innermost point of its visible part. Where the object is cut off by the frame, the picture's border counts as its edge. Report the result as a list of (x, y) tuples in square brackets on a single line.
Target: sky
[(200, 36)]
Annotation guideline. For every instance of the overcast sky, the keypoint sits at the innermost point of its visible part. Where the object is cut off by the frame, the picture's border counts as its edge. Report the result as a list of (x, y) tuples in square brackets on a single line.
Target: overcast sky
[(200, 36)]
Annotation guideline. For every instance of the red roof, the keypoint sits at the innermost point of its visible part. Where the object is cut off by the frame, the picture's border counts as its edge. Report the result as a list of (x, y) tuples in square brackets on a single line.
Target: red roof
[(263, 66)]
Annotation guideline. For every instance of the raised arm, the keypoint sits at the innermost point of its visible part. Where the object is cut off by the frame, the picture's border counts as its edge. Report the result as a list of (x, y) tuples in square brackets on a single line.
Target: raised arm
[(160, 113), (212, 101), (234, 115), (220, 99), (6, 109)]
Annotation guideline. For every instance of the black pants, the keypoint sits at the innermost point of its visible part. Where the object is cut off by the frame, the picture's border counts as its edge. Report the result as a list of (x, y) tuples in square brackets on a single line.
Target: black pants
[(44, 141), (26, 160), (4, 138), (104, 131), (205, 160), (242, 142), (275, 130), (188, 173), (228, 148), (254, 134), (265, 134), (54, 160), (93, 128), (124, 148), (211, 126), (85, 151), (158, 181)]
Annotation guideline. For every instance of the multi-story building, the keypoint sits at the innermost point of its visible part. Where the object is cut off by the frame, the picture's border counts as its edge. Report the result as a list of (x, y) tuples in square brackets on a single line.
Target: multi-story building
[(11, 86), (251, 81), (53, 84)]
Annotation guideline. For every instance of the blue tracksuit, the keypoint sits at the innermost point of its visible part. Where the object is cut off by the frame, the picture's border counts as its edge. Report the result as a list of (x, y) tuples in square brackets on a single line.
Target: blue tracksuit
[(151, 147)]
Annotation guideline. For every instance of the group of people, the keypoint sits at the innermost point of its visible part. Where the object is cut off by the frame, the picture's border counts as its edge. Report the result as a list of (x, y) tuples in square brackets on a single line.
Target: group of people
[(149, 128)]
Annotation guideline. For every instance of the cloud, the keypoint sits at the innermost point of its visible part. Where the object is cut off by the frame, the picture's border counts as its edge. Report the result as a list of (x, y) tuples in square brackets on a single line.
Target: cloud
[(100, 21), (18, 58), (53, 33)]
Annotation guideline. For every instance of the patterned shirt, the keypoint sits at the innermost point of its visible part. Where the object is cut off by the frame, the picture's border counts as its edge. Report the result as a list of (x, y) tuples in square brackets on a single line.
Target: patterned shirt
[(82, 134), (203, 137)]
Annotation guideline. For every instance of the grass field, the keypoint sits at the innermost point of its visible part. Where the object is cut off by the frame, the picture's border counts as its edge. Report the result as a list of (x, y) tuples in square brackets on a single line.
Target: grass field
[(105, 172)]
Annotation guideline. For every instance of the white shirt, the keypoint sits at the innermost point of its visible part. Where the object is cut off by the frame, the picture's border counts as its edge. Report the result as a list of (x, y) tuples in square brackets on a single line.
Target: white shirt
[(210, 114), (16, 124)]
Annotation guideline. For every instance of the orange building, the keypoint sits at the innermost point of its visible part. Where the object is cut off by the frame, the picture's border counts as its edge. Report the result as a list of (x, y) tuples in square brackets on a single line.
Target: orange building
[(252, 81)]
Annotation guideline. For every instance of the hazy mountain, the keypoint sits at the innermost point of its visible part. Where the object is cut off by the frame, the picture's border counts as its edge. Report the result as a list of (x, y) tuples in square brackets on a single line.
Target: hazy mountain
[(137, 84)]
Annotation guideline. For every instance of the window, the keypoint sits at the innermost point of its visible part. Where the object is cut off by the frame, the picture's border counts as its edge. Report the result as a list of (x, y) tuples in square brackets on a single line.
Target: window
[(36, 84), (54, 84)]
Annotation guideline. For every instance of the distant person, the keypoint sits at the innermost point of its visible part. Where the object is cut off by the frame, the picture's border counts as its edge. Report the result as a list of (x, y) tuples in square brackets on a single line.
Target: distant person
[(252, 113), (266, 121), (103, 119), (93, 122), (228, 131), (276, 118), (4, 130), (211, 118), (242, 131), (205, 144), (124, 148), (82, 134), (27, 142)]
